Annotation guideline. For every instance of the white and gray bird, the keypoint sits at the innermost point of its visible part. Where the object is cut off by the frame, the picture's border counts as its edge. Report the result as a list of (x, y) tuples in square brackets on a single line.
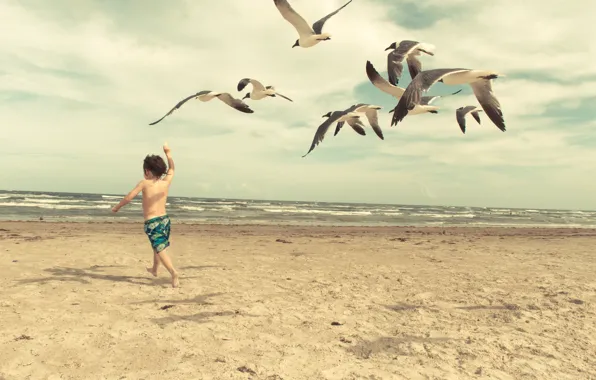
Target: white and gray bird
[(308, 36), (479, 81), (258, 90), (206, 96), (408, 50), (460, 115), (425, 105), (372, 115), (382, 84), (332, 117)]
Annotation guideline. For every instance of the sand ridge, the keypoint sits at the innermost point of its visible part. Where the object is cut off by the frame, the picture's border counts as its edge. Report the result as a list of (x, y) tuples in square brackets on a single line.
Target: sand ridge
[(279, 302)]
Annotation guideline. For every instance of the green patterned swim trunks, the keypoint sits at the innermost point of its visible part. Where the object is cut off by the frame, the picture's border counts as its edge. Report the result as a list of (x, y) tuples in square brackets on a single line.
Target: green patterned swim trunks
[(158, 231)]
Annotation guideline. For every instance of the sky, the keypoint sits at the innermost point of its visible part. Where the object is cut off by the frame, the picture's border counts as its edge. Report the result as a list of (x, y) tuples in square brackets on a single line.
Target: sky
[(80, 81)]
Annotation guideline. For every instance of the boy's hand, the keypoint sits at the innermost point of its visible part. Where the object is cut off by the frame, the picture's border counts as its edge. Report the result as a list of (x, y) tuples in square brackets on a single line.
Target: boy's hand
[(115, 209), (166, 148)]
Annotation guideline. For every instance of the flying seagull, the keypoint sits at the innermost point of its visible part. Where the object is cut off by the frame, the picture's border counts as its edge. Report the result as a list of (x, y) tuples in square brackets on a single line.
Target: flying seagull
[(206, 96), (258, 90), (339, 116), (308, 36), (381, 83), (479, 80), (460, 115), (371, 113), (397, 92), (409, 50), (425, 105)]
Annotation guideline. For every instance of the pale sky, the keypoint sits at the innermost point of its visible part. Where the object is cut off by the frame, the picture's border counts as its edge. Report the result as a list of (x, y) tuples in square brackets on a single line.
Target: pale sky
[(80, 80)]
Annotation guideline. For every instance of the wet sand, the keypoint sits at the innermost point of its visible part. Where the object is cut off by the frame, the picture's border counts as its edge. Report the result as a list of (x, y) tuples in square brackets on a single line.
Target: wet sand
[(276, 302)]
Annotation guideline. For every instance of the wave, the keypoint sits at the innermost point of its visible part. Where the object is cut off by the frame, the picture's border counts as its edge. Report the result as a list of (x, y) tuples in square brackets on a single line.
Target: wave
[(445, 215), (316, 211), (42, 200), (53, 206), (191, 208)]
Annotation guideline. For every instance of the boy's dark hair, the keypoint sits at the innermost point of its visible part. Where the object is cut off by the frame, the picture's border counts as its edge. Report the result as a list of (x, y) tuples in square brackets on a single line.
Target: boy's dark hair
[(155, 164)]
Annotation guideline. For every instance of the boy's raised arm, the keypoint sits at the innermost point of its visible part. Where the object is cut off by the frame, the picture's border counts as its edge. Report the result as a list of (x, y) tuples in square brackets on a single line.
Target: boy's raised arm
[(170, 172), (129, 197)]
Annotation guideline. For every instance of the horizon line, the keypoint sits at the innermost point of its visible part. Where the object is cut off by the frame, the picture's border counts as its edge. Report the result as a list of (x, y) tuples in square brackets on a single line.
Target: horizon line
[(304, 201)]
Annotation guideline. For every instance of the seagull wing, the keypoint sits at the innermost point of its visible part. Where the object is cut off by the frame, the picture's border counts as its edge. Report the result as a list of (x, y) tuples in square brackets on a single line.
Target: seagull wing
[(394, 67), (322, 130), (373, 119), (357, 125), (180, 103), (381, 83), (283, 96), (413, 94), (317, 27), (338, 127), (293, 17), (490, 104), (406, 47), (234, 103), (460, 115), (414, 65), (256, 84), (476, 116)]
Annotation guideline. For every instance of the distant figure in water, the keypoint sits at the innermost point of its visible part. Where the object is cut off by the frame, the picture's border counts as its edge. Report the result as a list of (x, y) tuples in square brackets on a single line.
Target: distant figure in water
[(155, 187)]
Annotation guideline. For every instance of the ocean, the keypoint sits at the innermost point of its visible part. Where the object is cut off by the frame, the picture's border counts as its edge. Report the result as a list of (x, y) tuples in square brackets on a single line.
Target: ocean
[(19, 205)]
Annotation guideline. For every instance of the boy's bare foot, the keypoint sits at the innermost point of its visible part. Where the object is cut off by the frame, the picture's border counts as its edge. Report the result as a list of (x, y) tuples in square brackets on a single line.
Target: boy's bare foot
[(175, 281), (153, 272)]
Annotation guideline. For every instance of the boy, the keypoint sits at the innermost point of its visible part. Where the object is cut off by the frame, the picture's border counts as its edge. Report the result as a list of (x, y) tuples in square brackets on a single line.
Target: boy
[(155, 194)]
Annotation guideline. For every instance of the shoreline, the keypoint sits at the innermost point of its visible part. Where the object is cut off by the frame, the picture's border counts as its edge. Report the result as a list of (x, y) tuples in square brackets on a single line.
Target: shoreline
[(281, 228)]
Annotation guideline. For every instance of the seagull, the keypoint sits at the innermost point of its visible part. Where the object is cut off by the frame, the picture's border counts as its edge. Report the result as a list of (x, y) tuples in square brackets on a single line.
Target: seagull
[(409, 50), (460, 115), (371, 113), (339, 116), (308, 36), (381, 83), (258, 90), (206, 96), (425, 105), (397, 92), (479, 80)]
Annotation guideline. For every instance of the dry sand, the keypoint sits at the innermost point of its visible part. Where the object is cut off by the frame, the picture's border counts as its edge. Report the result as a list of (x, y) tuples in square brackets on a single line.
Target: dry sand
[(324, 303)]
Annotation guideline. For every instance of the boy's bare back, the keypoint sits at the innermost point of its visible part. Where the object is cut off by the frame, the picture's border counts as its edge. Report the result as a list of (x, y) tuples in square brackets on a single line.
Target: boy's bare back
[(155, 190), (155, 196)]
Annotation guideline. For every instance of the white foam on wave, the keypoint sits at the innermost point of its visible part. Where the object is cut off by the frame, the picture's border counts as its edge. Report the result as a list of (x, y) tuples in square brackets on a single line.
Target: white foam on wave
[(316, 211), (43, 200), (111, 196), (35, 195), (53, 206), (191, 208), (446, 215)]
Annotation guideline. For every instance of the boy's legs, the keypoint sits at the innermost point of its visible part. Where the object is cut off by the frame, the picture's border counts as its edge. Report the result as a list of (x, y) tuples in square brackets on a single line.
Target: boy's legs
[(156, 262), (167, 262)]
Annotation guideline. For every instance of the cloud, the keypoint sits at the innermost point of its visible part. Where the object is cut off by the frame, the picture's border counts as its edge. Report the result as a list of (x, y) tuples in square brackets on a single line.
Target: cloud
[(80, 81)]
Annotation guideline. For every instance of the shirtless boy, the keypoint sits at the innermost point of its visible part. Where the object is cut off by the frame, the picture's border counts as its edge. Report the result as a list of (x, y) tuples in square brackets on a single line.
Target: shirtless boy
[(155, 194)]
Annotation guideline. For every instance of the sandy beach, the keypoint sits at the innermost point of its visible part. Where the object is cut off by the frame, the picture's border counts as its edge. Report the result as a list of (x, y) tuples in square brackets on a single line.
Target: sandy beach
[(275, 302)]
